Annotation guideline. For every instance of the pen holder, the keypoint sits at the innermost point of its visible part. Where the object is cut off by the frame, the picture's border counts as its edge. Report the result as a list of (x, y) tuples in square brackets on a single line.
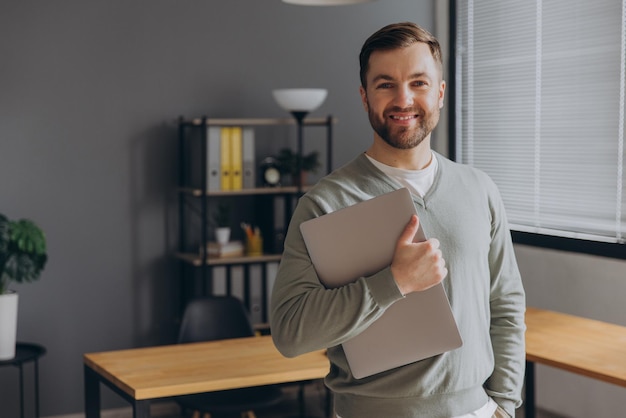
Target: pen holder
[(254, 245)]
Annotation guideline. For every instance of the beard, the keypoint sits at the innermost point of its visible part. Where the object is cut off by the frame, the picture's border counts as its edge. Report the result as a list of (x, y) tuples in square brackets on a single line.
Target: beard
[(404, 138)]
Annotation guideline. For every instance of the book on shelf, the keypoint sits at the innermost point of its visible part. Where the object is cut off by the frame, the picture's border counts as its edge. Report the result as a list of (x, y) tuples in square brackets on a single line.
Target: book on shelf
[(230, 249)]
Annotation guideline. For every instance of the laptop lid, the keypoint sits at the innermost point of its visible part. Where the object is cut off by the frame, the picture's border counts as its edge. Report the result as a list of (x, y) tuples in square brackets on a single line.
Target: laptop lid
[(360, 240)]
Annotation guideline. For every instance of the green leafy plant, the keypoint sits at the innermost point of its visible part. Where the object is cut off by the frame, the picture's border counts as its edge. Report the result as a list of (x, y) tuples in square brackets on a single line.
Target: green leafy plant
[(289, 162), (23, 253), (221, 217)]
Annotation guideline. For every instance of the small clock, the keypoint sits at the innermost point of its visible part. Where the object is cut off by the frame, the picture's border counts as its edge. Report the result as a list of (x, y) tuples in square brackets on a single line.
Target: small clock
[(269, 171)]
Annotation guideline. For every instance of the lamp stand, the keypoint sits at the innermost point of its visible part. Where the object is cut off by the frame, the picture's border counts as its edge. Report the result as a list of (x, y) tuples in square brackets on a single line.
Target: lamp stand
[(299, 115)]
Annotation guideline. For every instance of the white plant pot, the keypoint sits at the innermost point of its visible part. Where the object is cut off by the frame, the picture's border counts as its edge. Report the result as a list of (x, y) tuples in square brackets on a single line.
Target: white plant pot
[(8, 324), (222, 235)]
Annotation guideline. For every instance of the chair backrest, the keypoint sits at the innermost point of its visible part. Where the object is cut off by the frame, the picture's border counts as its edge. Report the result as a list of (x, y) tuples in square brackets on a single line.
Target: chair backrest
[(214, 318)]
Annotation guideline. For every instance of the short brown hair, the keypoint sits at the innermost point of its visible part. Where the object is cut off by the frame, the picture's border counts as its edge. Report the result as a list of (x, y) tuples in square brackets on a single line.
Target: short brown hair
[(397, 35)]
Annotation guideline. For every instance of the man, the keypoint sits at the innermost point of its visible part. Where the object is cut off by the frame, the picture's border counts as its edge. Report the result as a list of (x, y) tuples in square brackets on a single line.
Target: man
[(470, 252)]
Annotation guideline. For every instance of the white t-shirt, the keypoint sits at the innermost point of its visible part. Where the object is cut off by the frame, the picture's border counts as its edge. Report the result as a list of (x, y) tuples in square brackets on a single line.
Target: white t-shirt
[(417, 181)]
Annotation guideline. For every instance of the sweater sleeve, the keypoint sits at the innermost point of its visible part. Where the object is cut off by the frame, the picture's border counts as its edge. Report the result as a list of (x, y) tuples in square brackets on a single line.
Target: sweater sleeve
[(508, 305), (304, 315)]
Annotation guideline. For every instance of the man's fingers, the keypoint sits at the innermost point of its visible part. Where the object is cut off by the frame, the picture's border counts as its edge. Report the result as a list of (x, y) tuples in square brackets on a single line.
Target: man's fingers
[(434, 243)]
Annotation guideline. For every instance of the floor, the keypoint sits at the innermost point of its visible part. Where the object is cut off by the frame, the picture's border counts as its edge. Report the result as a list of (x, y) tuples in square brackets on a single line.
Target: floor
[(315, 401)]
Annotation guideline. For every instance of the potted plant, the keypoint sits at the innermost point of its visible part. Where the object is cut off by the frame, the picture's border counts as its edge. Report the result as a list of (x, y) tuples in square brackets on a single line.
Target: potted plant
[(22, 258), (296, 167), (221, 220)]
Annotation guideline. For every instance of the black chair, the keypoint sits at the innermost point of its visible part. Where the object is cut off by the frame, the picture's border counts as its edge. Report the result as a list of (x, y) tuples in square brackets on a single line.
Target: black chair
[(216, 318)]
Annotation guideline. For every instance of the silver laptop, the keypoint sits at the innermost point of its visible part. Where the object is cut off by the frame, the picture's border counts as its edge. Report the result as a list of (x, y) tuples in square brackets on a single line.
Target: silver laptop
[(359, 240)]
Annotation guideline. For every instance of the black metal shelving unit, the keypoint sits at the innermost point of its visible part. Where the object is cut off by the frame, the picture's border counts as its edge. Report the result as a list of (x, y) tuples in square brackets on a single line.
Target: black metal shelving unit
[(195, 265)]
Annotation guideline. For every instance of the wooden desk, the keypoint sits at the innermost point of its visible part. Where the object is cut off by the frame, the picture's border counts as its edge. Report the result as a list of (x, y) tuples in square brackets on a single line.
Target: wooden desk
[(142, 374), (579, 345)]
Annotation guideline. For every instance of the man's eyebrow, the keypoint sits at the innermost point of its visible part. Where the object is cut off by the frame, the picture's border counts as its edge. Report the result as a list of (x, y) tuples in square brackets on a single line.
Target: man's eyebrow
[(385, 77), (418, 75)]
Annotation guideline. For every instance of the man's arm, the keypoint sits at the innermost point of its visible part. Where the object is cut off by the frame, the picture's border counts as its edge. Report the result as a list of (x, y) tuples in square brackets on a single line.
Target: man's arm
[(304, 315), (508, 305)]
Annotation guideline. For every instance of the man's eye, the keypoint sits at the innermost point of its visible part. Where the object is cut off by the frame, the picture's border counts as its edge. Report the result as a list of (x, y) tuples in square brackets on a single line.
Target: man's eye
[(419, 83), (385, 86)]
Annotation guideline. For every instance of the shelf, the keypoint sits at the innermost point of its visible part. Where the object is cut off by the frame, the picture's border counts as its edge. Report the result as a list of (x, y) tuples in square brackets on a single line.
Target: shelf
[(197, 192), (271, 208), (195, 260), (262, 328), (257, 121)]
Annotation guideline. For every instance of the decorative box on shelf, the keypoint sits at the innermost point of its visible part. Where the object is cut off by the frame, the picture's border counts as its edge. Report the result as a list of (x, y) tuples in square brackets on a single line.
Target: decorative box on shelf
[(230, 249)]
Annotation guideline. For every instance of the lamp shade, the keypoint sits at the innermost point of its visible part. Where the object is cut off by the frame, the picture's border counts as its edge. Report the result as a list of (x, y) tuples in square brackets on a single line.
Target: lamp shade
[(325, 2), (300, 100)]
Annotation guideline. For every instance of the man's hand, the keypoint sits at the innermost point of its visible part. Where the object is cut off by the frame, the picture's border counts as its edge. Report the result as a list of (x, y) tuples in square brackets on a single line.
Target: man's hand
[(417, 266)]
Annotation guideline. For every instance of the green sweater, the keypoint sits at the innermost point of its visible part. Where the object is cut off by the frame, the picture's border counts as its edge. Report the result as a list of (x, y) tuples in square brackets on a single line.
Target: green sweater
[(464, 211)]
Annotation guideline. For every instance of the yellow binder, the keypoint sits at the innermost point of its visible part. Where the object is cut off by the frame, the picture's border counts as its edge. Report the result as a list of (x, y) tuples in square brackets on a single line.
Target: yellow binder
[(225, 161), (236, 157)]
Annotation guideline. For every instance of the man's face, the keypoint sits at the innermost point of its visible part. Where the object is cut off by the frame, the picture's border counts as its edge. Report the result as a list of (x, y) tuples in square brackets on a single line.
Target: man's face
[(404, 95)]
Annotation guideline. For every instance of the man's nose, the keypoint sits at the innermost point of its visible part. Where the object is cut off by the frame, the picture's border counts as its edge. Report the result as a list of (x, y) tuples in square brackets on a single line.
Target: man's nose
[(405, 97)]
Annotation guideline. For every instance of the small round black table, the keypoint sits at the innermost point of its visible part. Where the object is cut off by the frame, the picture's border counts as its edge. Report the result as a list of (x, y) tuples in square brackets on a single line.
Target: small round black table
[(25, 352)]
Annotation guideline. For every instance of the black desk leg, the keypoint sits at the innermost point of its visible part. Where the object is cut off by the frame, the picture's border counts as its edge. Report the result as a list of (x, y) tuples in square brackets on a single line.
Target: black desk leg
[(21, 390), (301, 401), (141, 409), (529, 403), (329, 403), (92, 394), (36, 388)]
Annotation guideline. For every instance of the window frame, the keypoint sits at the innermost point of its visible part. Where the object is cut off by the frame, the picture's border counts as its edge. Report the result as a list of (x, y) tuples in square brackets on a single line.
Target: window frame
[(574, 245)]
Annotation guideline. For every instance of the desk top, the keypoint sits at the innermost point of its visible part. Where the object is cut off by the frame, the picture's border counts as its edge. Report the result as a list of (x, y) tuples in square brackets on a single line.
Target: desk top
[(584, 346), (155, 372)]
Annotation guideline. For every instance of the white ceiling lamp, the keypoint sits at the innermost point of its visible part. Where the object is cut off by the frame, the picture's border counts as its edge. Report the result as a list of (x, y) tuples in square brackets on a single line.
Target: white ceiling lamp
[(325, 2)]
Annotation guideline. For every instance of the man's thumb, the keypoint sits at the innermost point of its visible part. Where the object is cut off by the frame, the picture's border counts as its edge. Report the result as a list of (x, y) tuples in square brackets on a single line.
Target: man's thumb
[(410, 230)]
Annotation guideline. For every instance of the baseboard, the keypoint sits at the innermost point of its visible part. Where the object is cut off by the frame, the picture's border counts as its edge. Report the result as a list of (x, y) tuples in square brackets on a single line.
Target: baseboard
[(157, 409)]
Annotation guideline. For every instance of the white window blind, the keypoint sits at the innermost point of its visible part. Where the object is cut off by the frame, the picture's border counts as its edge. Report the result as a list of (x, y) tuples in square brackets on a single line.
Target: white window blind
[(540, 108)]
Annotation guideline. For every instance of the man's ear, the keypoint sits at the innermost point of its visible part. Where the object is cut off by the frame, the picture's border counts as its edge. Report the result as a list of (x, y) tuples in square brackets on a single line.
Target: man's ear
[(364, 98), (442, 93)]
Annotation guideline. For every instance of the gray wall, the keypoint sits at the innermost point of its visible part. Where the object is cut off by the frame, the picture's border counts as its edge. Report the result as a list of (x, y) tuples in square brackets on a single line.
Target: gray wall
[(89, 94)]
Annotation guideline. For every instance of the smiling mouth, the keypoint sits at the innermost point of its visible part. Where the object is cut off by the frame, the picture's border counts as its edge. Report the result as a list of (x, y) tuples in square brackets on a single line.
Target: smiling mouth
[(403, 118)]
